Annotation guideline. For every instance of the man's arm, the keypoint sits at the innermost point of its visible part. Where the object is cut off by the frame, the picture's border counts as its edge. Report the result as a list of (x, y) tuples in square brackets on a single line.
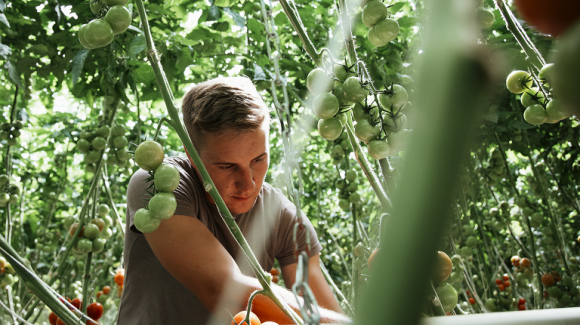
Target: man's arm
[(191, 254), (316, 281)]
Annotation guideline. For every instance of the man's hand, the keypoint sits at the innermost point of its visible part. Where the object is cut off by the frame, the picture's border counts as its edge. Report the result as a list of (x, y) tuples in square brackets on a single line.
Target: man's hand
[(191, 254)]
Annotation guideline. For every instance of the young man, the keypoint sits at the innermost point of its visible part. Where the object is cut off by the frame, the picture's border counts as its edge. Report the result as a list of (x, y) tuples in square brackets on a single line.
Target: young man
[(185, 272)]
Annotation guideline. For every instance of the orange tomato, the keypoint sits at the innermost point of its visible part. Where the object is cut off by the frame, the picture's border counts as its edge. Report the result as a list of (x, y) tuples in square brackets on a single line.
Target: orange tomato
[(515, 261), (119, 291), (548, 280), (99, 294), (119, 278), (275, 279), (60, 322), (443, 267), (239, 318), (525, 262), (106, 290), (372, 257), (552, 17), (274, 271), (52, 318)]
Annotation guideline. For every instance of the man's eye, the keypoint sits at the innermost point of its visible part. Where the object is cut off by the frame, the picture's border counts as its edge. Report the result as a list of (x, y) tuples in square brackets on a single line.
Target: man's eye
[(225, 167)]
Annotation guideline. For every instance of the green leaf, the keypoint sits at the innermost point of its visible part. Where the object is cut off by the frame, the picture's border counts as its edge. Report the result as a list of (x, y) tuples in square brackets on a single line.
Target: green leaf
[(13, 73), (135, 29), (225, 3), (214, 13), (408, 21), (522, 126), (5, 51), (221, 26), (4, 20), (136, 45), (255, 26), (397, 6), (78, 63), (239, 20), (120, 90), (144, 73)]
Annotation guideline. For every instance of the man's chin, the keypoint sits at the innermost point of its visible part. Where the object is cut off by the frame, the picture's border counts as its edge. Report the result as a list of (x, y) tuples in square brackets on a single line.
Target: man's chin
[(240, 207)]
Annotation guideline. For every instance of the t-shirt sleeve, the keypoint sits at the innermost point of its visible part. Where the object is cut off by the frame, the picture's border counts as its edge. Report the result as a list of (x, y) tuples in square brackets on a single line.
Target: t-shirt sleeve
[(137, 196), (285, 249)]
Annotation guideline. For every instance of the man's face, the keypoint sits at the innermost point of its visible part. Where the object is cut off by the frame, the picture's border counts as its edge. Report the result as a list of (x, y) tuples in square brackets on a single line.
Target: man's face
[(237, 164)]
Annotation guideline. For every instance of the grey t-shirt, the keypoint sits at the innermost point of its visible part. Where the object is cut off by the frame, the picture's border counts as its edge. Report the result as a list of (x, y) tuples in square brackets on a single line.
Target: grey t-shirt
[(151, 295)]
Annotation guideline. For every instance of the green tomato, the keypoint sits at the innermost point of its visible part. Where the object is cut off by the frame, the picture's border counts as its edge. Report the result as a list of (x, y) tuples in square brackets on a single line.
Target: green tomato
[(119, 18), (386, 30), (83, 40), (358, 112), (557, 111), (448, 296), (353, 91), (396, 101), (84, 245), (535, 115), (366, 132), (554, 292), (98, 33), (120, 142), (330, 129), (91, 231), (112, 159), (519, 81), (123, 155), (106, 233), (166, 178), (111, 3), (325, 105), (355, 198), (99, 143), (471, 241), (344, 204), (359, 250), (533, 96), (149, 155), (108, 221), (100, 223), (98, 245), (103, 131), (319, 82), (340, 72), (351, 175), (399, 140), (485, 18), (374, 12), (103, 210), (379, 149), (118, 130), (546, 74), (92, 157), (144, 222), (162, 206), (83, 145)]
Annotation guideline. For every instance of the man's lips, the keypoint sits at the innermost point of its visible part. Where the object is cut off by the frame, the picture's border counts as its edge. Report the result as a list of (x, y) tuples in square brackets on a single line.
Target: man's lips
[(241, 198)]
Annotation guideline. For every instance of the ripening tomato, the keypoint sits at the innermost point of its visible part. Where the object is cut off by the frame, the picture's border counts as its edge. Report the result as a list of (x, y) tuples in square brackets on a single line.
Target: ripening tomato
[(274, 271), (77, 303), (106, 290), (52, 318), (60, 322), (239, 319), (552, 17), (95, 310), (525, 262), (119, 278)]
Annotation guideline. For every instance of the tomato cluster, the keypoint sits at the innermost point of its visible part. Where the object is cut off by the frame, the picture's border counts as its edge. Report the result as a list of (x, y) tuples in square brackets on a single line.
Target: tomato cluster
[(539, 102), (9, 193), (116, 18), (93, 235), (149, 156), (562, 289), (382, 29), (11, 132)]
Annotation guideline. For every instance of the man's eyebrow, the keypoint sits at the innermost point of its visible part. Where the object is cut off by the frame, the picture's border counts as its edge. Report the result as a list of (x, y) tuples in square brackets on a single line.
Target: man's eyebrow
[(228, 163)]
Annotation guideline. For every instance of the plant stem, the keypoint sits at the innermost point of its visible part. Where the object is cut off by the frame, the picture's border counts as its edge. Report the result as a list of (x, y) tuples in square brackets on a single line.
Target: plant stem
[(516, 29), (294, 17), (336, 289), (366, 167), (87, 280)]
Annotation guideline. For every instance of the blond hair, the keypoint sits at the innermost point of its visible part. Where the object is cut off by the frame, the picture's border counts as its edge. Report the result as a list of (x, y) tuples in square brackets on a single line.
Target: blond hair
[(223, 104)]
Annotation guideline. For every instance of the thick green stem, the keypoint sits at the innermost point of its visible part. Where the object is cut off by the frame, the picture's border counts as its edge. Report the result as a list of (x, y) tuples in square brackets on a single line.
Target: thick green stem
[(87, 281), (294, 18), (209, 186), (516, 29)]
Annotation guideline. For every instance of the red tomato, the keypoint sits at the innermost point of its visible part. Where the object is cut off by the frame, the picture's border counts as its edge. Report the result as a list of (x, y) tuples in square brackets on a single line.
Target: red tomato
[(239, 319), (472, 301), (552, 17), (77, 303), (505, 277), (95, 310), (522, 307), (501, 287), (521, 301), (548, 280), (515, 261), (106, 290), (498, 281), (52, 318), (274, 271), (506, 284), (60, 322), (99, 294), (525, 262)]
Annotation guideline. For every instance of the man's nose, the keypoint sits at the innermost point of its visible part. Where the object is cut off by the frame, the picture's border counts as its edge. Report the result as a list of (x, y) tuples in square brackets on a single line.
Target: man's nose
[(245, 182)]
